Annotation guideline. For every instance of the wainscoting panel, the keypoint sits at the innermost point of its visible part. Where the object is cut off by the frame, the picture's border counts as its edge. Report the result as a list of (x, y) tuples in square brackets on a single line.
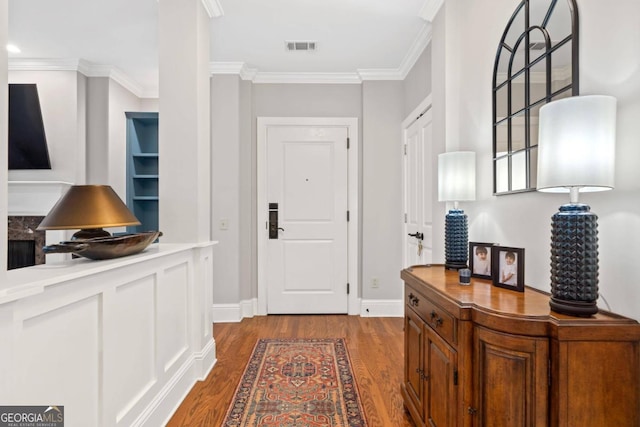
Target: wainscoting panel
[(172, 322), (116, 342), (134, 316), (57, 348)]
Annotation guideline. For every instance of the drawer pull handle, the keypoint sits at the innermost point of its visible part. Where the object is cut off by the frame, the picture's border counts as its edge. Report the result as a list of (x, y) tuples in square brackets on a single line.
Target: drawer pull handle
[(472, 411), (436, 319), (413, 300)]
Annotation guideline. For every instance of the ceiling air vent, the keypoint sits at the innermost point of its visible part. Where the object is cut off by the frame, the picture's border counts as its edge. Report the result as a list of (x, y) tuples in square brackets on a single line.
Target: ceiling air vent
[(297, 45)]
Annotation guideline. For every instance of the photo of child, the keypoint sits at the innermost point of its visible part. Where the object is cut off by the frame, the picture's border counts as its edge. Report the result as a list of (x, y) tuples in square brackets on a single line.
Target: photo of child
[(507, 265), (481, 261), (508, 268)]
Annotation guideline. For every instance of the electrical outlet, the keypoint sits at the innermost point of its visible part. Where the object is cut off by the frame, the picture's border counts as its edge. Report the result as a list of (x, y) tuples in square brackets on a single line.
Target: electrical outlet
[(375, 283), (224, 224)]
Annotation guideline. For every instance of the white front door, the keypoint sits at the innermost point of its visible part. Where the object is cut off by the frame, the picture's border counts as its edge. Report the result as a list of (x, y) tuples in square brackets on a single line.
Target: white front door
[(306, 251), (418, 190)]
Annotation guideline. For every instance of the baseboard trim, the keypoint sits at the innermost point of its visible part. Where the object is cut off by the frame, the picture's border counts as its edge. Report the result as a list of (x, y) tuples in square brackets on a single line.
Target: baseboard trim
[(233, 313), (382, 308), (163, 405)]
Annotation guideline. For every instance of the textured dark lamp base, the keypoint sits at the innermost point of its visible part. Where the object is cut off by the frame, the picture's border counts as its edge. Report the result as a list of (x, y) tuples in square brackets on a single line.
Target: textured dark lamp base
[(574, 308), (456, 240), (574, 261)]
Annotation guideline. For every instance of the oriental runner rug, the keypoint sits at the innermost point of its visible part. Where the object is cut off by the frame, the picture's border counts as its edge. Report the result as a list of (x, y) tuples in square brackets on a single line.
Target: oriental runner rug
[(297, 383)]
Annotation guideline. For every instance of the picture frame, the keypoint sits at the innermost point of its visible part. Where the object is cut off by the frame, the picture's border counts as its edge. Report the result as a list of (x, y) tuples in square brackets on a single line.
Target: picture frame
[(507, 265), (480, 260)]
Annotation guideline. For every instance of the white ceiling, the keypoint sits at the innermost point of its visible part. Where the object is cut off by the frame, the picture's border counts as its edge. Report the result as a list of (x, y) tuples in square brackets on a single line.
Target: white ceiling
[(355, 38)]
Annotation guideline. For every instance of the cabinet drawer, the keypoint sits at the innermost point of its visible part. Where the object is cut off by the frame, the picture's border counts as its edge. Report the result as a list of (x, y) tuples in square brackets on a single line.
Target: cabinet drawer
[(439, 319)]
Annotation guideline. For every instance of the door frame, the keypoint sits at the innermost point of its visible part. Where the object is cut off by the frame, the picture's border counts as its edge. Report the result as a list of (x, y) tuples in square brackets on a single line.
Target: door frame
[(419, 111), (353, 184)]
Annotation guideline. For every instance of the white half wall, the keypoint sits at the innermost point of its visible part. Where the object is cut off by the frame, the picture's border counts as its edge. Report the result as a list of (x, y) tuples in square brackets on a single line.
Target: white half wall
[(118, 342)]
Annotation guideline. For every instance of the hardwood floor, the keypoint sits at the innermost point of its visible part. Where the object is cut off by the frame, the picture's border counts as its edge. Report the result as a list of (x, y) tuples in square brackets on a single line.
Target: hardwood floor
[(375, 349)]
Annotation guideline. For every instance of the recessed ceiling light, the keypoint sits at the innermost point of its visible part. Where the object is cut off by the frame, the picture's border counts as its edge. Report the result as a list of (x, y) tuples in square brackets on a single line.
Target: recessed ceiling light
[(13, 48)]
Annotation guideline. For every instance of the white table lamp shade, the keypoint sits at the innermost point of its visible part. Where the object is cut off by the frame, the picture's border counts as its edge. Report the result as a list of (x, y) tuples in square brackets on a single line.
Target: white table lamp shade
[(576, 146), (457, 176)]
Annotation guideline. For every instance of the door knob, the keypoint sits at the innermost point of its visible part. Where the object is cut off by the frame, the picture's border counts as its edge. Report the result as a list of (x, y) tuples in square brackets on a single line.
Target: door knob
[(273, 221), (418, 235)]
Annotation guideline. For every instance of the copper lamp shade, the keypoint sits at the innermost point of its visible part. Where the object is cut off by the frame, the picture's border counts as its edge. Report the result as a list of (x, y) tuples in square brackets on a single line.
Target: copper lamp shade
[(89, 208)]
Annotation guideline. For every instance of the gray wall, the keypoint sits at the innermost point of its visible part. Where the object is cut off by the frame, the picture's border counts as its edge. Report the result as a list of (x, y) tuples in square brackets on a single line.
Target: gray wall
[(380, 107), (248, 233), (523, 220), (417, 84), (120, 101), (226, 194), (382, 209), (307, 100), (98, 130)]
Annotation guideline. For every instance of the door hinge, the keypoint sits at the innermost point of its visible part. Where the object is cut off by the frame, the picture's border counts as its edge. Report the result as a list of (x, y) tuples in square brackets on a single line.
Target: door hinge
[(405, 218), (347, 216), (405, 149), (348, 289), (348, 143), (455, 377)]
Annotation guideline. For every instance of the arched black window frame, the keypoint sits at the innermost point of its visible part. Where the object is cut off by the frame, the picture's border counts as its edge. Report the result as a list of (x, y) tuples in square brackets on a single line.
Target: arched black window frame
[(573, 86)]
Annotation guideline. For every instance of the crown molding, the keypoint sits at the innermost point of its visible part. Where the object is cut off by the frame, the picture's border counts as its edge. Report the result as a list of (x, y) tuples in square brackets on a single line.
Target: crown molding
[(44, 64), (115, 74), (213, 8), (255, 76), (248, 73), (307, 78), (430, 9), (416, 49), (239, 68), (380, 74), (226, 67), (81, 66)]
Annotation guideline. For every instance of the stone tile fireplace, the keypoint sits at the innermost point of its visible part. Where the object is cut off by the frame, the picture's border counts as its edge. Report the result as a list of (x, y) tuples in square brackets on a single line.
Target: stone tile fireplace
[(25, 242), (28, 203)]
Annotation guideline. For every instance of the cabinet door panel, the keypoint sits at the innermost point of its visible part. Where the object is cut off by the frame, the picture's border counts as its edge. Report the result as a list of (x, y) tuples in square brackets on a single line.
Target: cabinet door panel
[(440, 397), (413, 346), (511, 380)]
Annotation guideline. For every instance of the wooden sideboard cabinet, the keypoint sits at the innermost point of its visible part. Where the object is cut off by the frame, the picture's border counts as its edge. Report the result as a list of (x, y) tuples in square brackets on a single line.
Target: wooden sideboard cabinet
[(485, 356)]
